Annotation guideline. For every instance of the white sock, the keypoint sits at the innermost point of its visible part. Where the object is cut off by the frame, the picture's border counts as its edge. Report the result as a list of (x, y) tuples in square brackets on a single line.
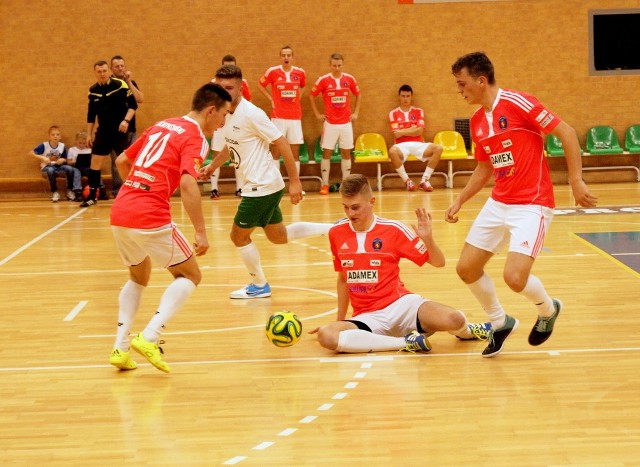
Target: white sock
[(427, 174), (172, 300), (276, 164), (536, 294), (251, 258), (214, 179), (485, 292), (357, 341), (464, 331), (306, 229), (129, 302), (325, 168), (403, 173), (345, 165)]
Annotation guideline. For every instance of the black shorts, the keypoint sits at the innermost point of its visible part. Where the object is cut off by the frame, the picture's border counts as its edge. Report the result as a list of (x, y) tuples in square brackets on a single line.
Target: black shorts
[(107, 141)]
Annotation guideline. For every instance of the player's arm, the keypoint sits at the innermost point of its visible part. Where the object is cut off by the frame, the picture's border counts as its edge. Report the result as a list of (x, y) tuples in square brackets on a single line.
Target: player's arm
[(571, 146), (479, 178), (356, 112), (40, 155), (137, 94), (124, 165), (314, 107), (343, 296), (265, 92), (192, 202), (218, 159), (295, 187), (424, 230)]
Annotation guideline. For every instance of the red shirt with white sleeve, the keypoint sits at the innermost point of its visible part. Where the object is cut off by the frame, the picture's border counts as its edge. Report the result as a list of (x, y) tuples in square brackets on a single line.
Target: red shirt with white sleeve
[(510, 138), (369, 260), (400, 120), (286, 87), (160, 156), (336, 96)]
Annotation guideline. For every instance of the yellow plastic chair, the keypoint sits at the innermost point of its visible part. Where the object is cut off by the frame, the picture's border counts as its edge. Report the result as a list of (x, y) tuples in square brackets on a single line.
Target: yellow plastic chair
[(371, 147), (453, 148)]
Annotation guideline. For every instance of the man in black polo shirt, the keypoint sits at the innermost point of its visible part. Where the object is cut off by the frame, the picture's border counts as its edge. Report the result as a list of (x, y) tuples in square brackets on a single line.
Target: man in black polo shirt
[(112, 103)]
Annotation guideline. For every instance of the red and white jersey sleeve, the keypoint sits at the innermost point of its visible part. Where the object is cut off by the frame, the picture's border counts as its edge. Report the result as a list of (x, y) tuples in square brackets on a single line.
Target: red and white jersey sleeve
[(286, 88), (336, 96), (164, 152), (246, 92), (400, 120), (369, 261), (510, 137)]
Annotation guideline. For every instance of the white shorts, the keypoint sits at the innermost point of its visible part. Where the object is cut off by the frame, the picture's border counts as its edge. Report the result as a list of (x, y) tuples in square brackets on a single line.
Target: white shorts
[(523, 225), (397, 319), (341, 134), (290, 129), (413, 148), (166, 246)]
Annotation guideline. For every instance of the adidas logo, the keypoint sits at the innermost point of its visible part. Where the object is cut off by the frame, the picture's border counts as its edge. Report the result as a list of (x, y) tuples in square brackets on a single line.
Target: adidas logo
[(344, 246), (525, 244)]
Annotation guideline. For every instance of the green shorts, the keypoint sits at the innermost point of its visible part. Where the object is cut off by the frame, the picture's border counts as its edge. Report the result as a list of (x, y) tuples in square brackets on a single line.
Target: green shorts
[(259, 211)]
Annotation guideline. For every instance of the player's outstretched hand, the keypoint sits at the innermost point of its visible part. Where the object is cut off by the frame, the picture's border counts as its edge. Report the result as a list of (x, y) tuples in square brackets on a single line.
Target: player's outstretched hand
[(450, 213), (583, 196), (423, 229)]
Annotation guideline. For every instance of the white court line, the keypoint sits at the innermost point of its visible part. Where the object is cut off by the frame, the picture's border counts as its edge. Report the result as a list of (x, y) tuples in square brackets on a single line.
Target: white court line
[(234, 460), (287, 432), (77, 309), (308, 419), (553, 352), (264, 445), (40, 237)]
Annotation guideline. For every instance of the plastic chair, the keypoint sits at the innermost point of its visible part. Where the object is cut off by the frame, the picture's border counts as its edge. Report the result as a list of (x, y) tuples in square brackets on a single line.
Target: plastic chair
[(603, 139), (554, 146), (371, 147), (453, 147), (303, 155), (336, 156), (632, 139)]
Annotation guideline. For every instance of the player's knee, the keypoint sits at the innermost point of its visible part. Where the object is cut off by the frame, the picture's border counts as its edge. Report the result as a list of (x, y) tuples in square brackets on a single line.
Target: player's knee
[(395, 154), (328, 338), (516, 280), (465, 272)]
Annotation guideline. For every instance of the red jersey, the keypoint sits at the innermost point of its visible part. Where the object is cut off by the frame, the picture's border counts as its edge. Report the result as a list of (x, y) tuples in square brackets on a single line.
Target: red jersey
[(286, 88), (399, 120), (246, 93), (369, 261), (160, 156), (336, 96), (510, 137)]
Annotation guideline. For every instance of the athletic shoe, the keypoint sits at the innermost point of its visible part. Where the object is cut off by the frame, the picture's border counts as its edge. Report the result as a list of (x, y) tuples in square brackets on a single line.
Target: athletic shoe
[(88, 202), (498, 336), (410, 185), (324, 190), (479, 332), (215, 194), (252, 291), (416, 342), (78, 196), (544, 326), (55, 197), (104, 196), (71, 196), (239, 192), (151, 351), (121, 359), (426, 186)]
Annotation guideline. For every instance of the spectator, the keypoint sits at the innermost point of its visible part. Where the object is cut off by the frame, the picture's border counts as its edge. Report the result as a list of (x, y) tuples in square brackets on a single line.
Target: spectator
[(79, 156), (336, 88), (52, 155), (407, 125)]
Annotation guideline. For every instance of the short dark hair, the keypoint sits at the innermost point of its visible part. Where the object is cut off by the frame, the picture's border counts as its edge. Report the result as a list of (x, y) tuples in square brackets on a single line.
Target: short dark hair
[(286, 47), (336, 56), (229, 72), (117, 57), (228, 58), (405, 88), (100, 63), (210, 94), (354, 184), (477, 64)]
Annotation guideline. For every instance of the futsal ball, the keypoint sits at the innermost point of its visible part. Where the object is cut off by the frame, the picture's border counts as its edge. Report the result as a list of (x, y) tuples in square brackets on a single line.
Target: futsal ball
[(85, 192), (283, 329)]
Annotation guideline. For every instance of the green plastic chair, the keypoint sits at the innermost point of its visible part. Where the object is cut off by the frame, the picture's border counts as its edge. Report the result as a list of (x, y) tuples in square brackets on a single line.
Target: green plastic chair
[(304, 154), (602, 139), (554, 146), (335, 156), (632, 139)]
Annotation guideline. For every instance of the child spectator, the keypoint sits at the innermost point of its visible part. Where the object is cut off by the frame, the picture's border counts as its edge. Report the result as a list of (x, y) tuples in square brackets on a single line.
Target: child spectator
[(79, 156), (52, 155)]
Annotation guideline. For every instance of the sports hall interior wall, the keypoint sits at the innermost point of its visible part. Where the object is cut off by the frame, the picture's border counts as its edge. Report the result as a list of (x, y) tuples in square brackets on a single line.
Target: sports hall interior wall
[(538, 46)]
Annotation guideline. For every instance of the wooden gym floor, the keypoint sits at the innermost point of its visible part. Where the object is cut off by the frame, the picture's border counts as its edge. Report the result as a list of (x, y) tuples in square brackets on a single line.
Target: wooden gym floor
[(233, 398)]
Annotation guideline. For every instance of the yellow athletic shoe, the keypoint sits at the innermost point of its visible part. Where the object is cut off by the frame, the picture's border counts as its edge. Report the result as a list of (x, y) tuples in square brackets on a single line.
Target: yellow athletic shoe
[(121, 359), (151, 351)]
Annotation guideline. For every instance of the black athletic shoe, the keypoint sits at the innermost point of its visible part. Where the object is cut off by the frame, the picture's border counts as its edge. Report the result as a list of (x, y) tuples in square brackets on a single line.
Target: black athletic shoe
[(87, 202), (544, 326), (498, 336)]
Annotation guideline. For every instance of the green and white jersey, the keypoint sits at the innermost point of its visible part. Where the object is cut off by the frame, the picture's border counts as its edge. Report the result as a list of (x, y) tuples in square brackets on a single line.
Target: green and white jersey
[(247, 132)]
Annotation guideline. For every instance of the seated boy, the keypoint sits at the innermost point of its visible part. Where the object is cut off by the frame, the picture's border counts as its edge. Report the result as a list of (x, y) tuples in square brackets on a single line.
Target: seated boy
[(52, 155), (79, 156)]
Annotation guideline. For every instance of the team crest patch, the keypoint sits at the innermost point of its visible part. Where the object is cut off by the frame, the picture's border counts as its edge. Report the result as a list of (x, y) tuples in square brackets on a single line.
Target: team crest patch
[(502, 123), (377, 244), (346, 263)]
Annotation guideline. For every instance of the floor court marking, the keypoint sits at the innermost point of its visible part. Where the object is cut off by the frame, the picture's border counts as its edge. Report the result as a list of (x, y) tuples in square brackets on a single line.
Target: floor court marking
[(77, 309)]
